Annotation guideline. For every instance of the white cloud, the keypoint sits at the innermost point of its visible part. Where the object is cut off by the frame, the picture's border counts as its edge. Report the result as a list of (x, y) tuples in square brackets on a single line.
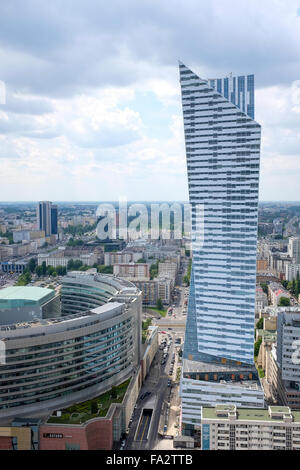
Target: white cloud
[(75, 125)]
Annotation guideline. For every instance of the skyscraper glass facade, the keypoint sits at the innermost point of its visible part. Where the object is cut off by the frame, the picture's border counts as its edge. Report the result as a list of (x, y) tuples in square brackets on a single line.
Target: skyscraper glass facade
[(223, 154), (47, 218)]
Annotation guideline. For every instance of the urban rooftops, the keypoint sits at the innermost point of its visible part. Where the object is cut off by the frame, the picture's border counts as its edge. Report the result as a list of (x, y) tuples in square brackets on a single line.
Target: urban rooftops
[(273, 413), (13, 295)]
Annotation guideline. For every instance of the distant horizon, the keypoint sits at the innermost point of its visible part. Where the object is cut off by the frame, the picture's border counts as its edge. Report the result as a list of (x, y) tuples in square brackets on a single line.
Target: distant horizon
[(128, 201)]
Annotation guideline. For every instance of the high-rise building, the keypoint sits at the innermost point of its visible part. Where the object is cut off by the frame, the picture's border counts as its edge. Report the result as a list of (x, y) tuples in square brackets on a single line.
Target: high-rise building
[(47, 218), (223, 153), (294, 249), (54, 219), (288, 356)]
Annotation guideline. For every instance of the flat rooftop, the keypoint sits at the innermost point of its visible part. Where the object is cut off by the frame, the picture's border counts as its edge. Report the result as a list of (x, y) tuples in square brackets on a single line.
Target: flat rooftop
[(198, 366), (35, 294), (253, 414), (60, 323)]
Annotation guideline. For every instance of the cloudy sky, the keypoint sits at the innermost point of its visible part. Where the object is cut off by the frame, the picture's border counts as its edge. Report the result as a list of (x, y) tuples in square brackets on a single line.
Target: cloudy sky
[(93, 107)]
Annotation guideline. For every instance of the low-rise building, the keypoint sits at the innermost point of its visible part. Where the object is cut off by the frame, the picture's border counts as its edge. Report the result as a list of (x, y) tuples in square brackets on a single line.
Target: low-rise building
[(261, 300), (23, 304), (208, 384), (262, 265), (227, 427), (60, 258), (152, 290), (276, 292), (27, 235), (168, 269), (119, 257), (132, 270), (14, 266)]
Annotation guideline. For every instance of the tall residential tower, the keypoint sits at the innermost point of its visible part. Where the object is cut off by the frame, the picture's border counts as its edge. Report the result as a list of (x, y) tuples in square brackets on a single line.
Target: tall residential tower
[(223, 153)]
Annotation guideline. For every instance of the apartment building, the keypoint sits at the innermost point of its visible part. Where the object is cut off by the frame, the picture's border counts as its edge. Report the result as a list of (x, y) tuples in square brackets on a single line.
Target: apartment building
[(292, 271), (152, 290), (60, 259), (276, 292), (168, 269), (120, 257), (261, 300), (133, 270), (294, 249), (226, 427)]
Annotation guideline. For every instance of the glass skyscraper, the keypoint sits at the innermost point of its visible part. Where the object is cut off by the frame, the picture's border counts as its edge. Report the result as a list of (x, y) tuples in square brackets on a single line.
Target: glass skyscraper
[(47, 218), (223, 154)]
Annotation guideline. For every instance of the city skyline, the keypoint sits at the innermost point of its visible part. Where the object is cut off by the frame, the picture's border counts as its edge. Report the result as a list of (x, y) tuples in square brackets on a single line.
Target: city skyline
[(72, 128)]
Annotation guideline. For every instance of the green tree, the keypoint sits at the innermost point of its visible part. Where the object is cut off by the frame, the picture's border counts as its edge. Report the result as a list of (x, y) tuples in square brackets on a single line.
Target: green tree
[(257, 346), (44, 268), (94, 407), (39, 271), (84, 268), (260, 324), (61, 270), (154, 270), (74, 264), (31, 265), (70, 265), (284, 302), (50, 270), (159, 304), (114, 392), (101, 268), (24, 279), (264, 287)]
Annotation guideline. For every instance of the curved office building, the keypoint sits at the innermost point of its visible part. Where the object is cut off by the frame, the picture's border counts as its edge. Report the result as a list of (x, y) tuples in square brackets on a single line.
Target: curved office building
[(52, 363), (83, 291)]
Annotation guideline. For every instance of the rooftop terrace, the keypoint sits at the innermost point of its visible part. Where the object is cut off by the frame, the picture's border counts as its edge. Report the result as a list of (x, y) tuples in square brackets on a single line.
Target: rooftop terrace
[(84, 411)]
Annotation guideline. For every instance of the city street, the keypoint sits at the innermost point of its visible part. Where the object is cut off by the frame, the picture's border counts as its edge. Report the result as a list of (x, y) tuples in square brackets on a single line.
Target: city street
[(157, 384)]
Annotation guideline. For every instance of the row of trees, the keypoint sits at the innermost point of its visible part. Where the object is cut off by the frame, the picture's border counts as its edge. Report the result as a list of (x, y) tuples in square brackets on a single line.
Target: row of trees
[(101, 268), (293, 286), (80, 229), (187, 277), (154, 270), (73, 242), (44, 270)]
